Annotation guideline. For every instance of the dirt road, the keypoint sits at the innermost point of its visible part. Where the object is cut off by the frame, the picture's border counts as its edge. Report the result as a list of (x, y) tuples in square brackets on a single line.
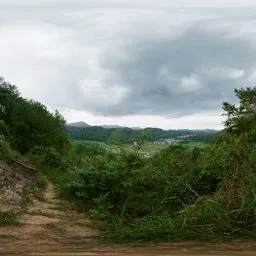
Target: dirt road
[(48, 224), (49, 227)]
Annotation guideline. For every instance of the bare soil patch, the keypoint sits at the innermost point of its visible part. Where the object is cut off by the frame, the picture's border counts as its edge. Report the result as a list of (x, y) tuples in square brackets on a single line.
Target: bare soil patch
[(47, 225)]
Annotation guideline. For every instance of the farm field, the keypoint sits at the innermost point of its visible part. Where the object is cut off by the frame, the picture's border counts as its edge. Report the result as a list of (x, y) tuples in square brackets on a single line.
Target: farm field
[(146, 148)]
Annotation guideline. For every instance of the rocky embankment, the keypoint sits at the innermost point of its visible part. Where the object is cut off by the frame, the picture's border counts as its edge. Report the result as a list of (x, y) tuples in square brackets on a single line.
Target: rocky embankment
[(44, 222), (17, 183)]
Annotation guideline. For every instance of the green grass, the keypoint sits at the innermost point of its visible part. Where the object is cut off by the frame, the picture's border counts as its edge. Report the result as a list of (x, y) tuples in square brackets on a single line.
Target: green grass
[(209, 220), (145, 148), (107, 146), (149, 146)]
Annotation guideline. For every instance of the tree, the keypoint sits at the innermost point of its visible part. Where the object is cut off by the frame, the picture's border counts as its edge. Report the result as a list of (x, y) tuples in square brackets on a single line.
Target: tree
[(8, 94), (3, 129), (242, 118), (29, 122)]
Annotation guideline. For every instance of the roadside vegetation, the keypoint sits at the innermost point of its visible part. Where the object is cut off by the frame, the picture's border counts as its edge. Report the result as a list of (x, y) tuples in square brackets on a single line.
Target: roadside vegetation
[(200, 192)]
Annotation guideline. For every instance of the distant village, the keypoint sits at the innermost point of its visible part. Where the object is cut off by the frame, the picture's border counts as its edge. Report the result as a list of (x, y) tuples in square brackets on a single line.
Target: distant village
[(170, 141)]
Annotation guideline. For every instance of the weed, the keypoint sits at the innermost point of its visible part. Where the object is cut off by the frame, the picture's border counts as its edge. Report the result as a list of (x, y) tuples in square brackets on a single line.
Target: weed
[(41, 180)]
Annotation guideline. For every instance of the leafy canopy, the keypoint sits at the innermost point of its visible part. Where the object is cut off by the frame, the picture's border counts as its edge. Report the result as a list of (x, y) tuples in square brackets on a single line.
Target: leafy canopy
[(28, 122), (241, 118)]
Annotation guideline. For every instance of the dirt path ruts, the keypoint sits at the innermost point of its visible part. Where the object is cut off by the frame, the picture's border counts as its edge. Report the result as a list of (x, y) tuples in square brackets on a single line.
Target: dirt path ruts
[(49, 227), (48, 224)]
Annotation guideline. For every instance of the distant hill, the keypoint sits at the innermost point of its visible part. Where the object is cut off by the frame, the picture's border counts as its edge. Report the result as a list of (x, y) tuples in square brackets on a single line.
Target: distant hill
[(120, 127), (80, 124), (113, 133), (199, 130), (112, 126), (136, 128)]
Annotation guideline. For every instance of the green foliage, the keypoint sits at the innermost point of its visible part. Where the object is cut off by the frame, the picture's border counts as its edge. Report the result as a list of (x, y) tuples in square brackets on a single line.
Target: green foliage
[(204, 138), (127, 185), (3, 129), (100, 183), (28, 122), (206, 220), (88, 148), (42, 180), (95, 133), (242, 118), (45, 156)]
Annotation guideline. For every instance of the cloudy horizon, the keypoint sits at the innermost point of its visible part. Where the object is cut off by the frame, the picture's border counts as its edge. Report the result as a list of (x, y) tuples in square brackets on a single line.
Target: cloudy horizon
[(130, 63)]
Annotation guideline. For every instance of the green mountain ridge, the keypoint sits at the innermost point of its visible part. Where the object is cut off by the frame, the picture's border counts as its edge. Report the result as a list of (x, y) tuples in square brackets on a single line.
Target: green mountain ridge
[(129, 135), (84, 124), (78, 124)]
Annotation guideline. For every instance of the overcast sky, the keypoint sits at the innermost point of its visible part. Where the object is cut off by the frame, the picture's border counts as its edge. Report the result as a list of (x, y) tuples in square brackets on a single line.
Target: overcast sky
[(135, 63)]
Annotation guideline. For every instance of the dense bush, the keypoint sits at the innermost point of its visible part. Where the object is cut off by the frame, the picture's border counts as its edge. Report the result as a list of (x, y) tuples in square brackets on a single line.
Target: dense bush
[(130, 186), (46, 156), (3, 129)]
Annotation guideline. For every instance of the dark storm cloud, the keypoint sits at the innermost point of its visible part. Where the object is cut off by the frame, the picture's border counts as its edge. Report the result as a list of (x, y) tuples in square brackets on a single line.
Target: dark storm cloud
[(176, 76)]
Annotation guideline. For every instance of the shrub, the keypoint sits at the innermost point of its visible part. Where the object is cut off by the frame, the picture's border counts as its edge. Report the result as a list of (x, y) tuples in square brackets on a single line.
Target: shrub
[(3, 129), (5, 150), (45, 156), (42, 180)]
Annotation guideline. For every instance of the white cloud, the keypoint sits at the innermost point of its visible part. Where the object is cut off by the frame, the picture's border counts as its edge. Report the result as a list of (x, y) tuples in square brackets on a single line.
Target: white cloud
[(211, 120), (190, 84), (230, 73), (149, 3)]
